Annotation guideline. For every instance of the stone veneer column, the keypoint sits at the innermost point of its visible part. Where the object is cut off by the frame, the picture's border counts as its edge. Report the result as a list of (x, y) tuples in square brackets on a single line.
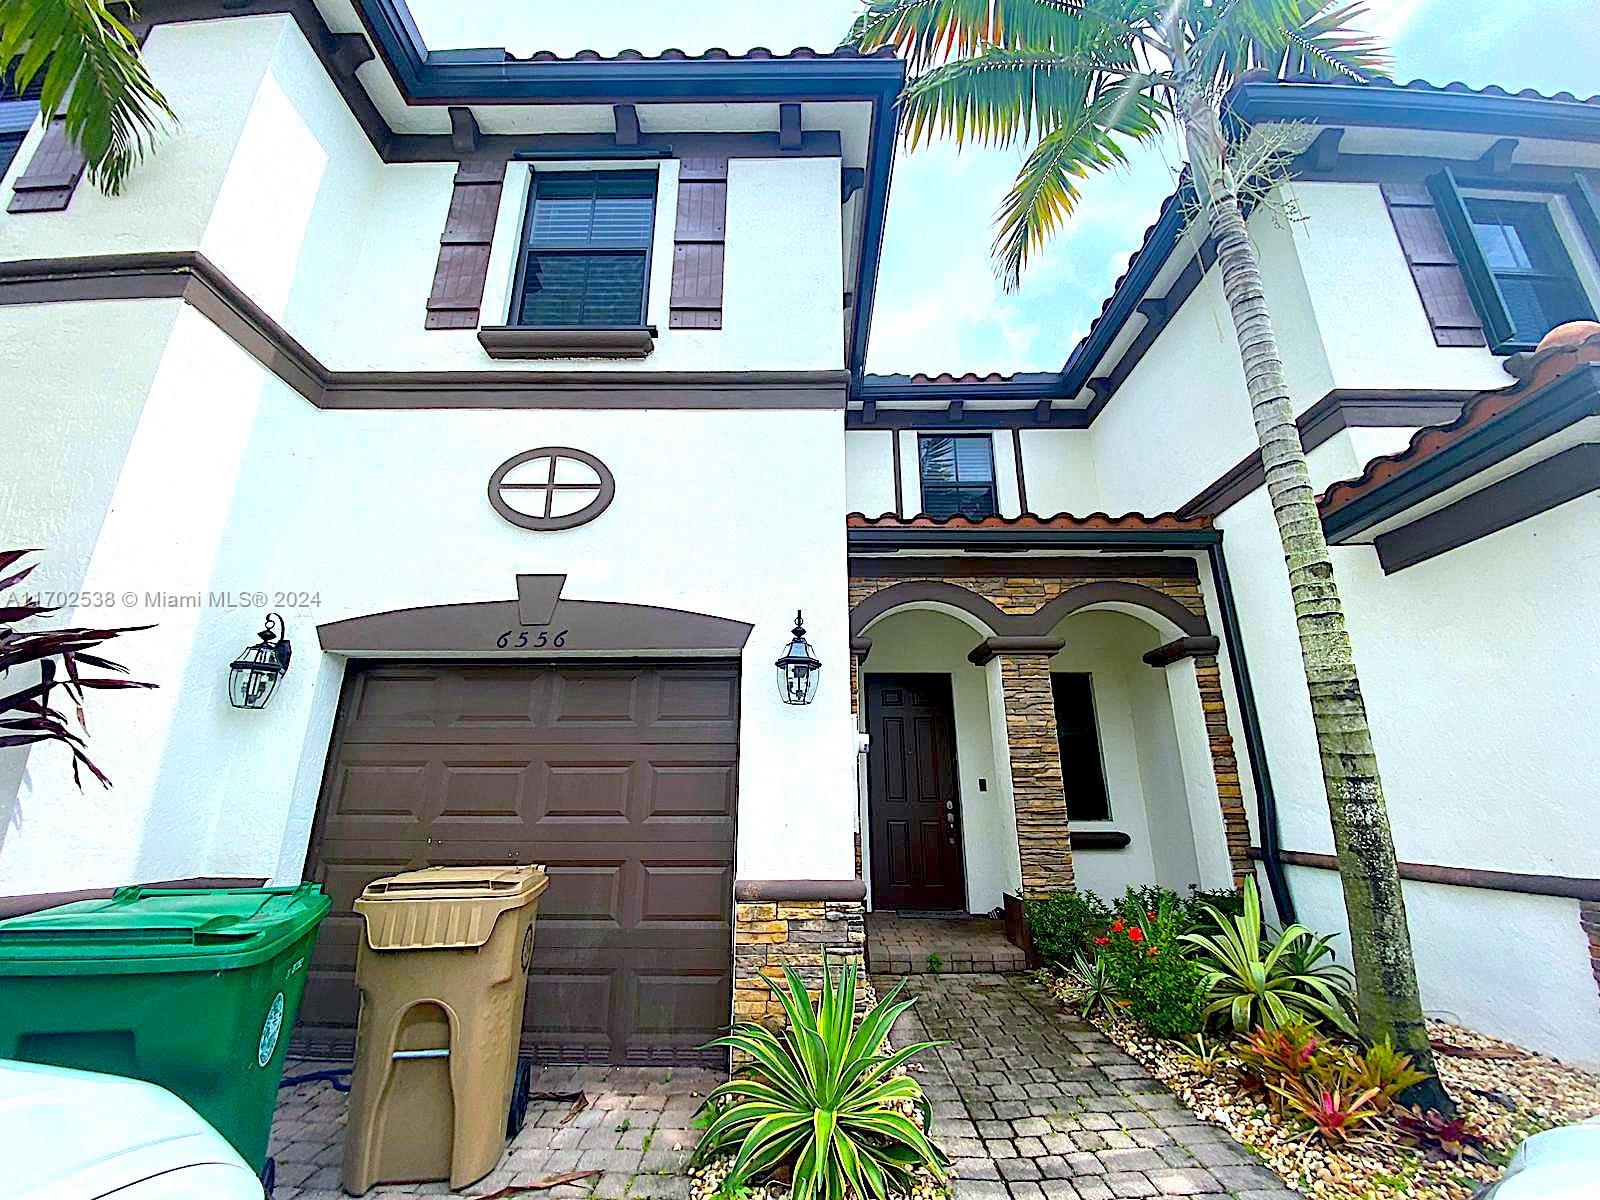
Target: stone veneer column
[(1589, 919), (1037, 791), (1225, 765), (791, 923)]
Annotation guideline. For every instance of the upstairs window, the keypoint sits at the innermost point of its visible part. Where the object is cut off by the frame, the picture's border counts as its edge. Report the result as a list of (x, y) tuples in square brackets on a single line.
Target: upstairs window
[(1520, 264), (1083, 775), (958, 476), (1524, 253), (17, 113), (586, 250)]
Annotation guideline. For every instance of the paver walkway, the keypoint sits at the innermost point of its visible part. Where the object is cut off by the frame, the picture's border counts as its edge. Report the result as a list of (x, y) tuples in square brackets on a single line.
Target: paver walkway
[(899, 945), (635, 1131), (1034, 1104)]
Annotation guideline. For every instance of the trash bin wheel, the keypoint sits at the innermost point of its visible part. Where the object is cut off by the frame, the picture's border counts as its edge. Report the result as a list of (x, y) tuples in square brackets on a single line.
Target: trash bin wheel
[(520, 1091)]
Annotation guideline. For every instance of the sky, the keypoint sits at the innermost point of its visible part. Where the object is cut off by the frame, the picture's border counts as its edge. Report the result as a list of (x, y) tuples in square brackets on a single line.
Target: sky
[(939, 306)]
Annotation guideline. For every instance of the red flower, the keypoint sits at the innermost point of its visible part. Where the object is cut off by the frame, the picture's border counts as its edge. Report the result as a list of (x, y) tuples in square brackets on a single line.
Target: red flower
[(1102, 941), (1151, 915), (1118, 925), (1136, 934)]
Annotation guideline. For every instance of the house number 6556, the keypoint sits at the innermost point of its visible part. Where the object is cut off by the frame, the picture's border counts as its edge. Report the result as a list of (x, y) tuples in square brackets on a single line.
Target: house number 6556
[(519, 639)]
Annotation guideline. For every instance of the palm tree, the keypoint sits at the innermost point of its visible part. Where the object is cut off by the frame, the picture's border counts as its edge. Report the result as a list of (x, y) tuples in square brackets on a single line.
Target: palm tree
[(90, 71), (1080, 80)]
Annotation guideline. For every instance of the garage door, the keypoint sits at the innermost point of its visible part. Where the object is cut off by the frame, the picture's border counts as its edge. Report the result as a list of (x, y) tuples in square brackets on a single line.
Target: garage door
[(621, 780)]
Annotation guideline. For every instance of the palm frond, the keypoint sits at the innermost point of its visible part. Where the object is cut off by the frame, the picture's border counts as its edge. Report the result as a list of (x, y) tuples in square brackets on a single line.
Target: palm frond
[(928, 32), (92, 74), (1047, 188), (999, 97), (1319, 38)]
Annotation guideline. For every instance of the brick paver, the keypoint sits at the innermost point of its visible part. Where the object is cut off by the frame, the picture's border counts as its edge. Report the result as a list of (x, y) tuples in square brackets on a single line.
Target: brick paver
[(1034, 1104), (636, 1131), (899, 945)]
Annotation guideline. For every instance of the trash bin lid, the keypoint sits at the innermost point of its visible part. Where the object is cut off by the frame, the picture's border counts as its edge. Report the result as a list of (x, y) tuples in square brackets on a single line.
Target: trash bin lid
[(140, 930), (445, 907)]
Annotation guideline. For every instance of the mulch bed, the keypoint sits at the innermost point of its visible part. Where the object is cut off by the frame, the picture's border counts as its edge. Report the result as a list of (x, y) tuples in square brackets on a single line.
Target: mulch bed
[(1505, 1092)]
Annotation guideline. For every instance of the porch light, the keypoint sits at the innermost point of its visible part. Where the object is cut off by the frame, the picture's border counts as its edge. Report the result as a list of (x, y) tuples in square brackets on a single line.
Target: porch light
[(255, 673), (798, 668)]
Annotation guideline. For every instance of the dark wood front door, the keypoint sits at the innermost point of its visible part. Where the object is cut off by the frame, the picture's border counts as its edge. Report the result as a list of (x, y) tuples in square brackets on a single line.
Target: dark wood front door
[(620, 780), (912, 800)]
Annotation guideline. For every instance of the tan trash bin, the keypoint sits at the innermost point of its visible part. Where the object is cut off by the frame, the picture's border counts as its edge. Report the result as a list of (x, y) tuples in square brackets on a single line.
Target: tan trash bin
[(443, 970)]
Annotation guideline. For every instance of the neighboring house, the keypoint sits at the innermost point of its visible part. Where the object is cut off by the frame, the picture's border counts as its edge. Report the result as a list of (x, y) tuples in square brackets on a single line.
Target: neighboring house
[(530, 392)]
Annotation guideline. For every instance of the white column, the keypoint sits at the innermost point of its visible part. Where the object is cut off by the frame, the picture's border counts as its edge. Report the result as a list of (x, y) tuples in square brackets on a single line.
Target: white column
[(1199, 776)]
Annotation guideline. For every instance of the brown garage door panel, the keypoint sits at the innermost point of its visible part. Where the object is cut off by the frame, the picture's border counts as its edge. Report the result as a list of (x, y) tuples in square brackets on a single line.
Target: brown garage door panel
[(620, 780)]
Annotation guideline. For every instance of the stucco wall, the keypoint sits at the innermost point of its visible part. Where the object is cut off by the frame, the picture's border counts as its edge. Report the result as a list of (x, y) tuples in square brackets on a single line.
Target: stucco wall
[(869, 471), (1058, 468), (232, 482), (1480, 713), (270, 176)]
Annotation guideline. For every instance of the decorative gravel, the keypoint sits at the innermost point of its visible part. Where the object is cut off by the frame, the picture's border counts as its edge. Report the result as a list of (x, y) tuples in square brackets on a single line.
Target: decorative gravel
[(1505, 1092)]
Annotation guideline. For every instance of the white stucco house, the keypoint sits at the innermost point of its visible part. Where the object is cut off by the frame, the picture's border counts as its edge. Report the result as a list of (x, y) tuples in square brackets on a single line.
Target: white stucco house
[(529, 393)]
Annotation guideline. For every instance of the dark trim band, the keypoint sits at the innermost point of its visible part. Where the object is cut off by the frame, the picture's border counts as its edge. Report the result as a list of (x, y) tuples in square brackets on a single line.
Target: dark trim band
[(990, 649), (1037, 627), (992, 540), (1142, 566), (495, 629), (1098, 839), (1566, 476), (1340, 409), (1184, 647), (849, 891), (508, 341), (1562, 887), (191, 277)]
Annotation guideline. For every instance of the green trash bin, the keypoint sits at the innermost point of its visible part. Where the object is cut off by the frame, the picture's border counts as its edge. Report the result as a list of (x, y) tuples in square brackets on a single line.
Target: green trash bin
[(193, 989)]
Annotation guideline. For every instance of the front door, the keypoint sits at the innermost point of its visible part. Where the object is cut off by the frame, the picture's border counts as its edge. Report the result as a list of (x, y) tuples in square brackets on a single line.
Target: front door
[(912, 802)]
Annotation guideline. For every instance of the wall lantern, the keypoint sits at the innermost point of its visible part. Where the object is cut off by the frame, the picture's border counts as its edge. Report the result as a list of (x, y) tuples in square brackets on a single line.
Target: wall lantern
[(798, 668), (254, 674)]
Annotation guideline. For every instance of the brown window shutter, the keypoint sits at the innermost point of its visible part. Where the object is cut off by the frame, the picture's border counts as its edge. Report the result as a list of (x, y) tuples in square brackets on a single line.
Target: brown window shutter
[(52, 173), (464, 247), (1433, 266), (700, 241)]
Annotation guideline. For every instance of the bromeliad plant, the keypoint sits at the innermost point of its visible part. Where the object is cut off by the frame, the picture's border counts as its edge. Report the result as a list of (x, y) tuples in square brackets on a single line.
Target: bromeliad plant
[(1259, 981), (820, 1102), (56, 659)]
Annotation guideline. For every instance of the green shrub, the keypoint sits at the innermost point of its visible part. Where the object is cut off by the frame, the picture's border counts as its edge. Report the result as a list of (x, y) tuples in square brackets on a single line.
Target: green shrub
[(1065, 926), (1252, 979), (1192, 912), (1098, 994), (819, 1104), (1144, 964)]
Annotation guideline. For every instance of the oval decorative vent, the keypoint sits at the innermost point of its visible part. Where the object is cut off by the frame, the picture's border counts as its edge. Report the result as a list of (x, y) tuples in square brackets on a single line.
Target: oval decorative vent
[(553, 487)]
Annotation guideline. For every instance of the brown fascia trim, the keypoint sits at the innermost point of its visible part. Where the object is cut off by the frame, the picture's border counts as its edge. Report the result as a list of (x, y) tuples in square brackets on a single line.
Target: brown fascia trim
[(1566, 476), (1086, 566), (191, 277), (509, 341), (1561, 886), (1098, 839), (1340, 409), (990, 649), (754, 891), (342, 53), (17, 906), (1181, 648), (591, 628)]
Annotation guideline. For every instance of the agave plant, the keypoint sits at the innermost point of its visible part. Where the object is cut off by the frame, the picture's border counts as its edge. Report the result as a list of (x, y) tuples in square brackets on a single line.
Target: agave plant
[(1099, 994), (57, 659), (1271, 981), (820, 1101)]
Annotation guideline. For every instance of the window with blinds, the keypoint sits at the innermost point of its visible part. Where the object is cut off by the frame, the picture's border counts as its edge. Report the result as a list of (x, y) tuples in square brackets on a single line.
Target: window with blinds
[(958, 476), (1524, 252), (18, 109), (586, 251)]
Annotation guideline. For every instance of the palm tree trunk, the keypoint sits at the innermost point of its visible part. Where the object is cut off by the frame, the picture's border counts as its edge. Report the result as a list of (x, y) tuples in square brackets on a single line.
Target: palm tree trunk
[(1386, 975)]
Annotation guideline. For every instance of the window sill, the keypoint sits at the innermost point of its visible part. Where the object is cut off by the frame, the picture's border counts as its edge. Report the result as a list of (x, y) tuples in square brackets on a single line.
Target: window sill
[(511, 341), (1098, 839)]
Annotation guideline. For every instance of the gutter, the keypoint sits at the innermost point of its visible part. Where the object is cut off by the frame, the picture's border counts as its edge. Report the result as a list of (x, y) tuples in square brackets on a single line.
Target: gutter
[(989, 541), (1266, 800)]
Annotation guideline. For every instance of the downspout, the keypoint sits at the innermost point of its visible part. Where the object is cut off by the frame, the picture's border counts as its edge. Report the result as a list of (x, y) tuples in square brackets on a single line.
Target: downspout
[(1266, 801)]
